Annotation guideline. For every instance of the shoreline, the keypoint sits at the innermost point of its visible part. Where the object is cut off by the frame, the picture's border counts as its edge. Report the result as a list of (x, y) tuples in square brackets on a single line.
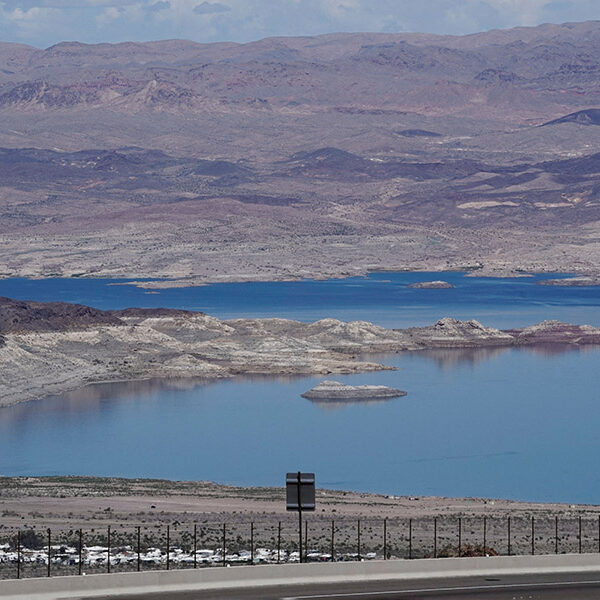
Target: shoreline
[(49, 349), (105, 382), (168, 515), (74, 501), (146, 282)]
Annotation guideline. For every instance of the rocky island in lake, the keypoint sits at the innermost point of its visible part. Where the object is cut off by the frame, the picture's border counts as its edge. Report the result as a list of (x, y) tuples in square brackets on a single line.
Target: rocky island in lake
[(430, 285), (334, 390)]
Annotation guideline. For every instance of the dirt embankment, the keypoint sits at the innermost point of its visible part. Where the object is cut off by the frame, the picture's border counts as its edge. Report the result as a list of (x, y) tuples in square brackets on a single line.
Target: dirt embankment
[(71, 502)]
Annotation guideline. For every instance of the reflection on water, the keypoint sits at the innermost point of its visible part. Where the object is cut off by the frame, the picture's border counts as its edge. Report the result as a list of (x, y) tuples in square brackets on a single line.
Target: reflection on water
[(447, 358), (338, 404), (92, 397), (500, 422), (124, 389), (550, 350), (95, 397)]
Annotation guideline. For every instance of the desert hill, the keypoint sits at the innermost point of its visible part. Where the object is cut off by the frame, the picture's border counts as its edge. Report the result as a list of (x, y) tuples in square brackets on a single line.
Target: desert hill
[(288, 157)]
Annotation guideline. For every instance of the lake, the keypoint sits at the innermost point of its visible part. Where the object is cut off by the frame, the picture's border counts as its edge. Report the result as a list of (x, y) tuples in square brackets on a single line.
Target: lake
[(382, 298), (512, 423)]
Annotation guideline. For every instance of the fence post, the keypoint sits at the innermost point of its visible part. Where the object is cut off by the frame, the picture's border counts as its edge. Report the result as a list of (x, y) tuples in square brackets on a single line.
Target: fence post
[(434, 537), (252, 543), (224, 539), (532, 536), (80, 550), (385, 539), (49, 551), (410, 538), (139, 548), (19, 554), (305, 539), (556, 535), (509, 548), (459, 536), (195, 545), (332, 540), (358, 537), (580, 540), (108, 551), (279, 542), (484, 535), (599, 533), (168, 547)]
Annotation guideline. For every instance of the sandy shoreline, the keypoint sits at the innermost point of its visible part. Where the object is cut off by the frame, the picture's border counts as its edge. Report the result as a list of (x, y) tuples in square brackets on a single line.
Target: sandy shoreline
[(77, 501)]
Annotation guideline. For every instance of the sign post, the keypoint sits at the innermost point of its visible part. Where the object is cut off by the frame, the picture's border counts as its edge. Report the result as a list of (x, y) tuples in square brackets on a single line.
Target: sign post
[(300, 496)]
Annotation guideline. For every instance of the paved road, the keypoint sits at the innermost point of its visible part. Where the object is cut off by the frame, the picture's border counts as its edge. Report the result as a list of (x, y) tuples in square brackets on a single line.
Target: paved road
[(530, 587)]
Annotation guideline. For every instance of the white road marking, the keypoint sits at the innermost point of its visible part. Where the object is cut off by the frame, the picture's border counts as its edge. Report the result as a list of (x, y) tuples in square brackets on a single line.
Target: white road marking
[(468, 588)]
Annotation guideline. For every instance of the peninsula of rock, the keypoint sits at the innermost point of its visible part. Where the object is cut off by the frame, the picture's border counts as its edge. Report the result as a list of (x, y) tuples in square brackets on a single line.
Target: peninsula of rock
[(334, 390), (51, 348), (571, 282)]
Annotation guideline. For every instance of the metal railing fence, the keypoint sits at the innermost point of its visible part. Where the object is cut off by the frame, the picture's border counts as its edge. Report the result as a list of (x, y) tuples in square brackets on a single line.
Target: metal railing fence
[(36, 552)]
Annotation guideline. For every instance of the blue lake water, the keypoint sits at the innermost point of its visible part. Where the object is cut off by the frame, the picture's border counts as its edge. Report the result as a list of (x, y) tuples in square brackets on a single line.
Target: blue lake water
[(383, 298), (515, 423)]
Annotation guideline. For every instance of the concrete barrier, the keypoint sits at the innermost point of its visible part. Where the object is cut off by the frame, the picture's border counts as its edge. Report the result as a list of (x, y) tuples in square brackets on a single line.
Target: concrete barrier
[(90, 586)]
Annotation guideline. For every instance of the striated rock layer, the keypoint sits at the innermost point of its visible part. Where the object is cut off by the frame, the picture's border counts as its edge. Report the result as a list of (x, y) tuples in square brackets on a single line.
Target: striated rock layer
[(52, 348)]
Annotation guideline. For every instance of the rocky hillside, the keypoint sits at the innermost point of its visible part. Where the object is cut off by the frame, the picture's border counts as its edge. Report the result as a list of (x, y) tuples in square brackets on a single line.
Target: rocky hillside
[(17, 316), (445, 73), (302, 156), (51, 348)]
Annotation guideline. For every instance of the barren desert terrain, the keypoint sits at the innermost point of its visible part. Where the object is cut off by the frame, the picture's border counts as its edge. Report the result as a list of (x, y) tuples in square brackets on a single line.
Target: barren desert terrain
[(316, 156)]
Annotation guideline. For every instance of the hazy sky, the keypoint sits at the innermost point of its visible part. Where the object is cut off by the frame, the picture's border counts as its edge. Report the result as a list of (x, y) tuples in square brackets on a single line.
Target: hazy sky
[(44, 22)]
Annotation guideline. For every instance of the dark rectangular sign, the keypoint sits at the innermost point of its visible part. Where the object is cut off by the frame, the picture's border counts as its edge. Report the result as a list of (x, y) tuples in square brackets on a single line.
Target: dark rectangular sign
[(306, 481)]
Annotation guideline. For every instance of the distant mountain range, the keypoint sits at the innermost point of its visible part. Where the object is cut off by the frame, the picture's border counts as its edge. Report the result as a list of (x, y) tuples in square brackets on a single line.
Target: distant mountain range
[(336, 137), (530, 72)]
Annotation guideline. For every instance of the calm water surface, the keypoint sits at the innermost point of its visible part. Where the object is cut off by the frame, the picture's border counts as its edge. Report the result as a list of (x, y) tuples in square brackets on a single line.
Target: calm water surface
[(517, 423), (383, 298)]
